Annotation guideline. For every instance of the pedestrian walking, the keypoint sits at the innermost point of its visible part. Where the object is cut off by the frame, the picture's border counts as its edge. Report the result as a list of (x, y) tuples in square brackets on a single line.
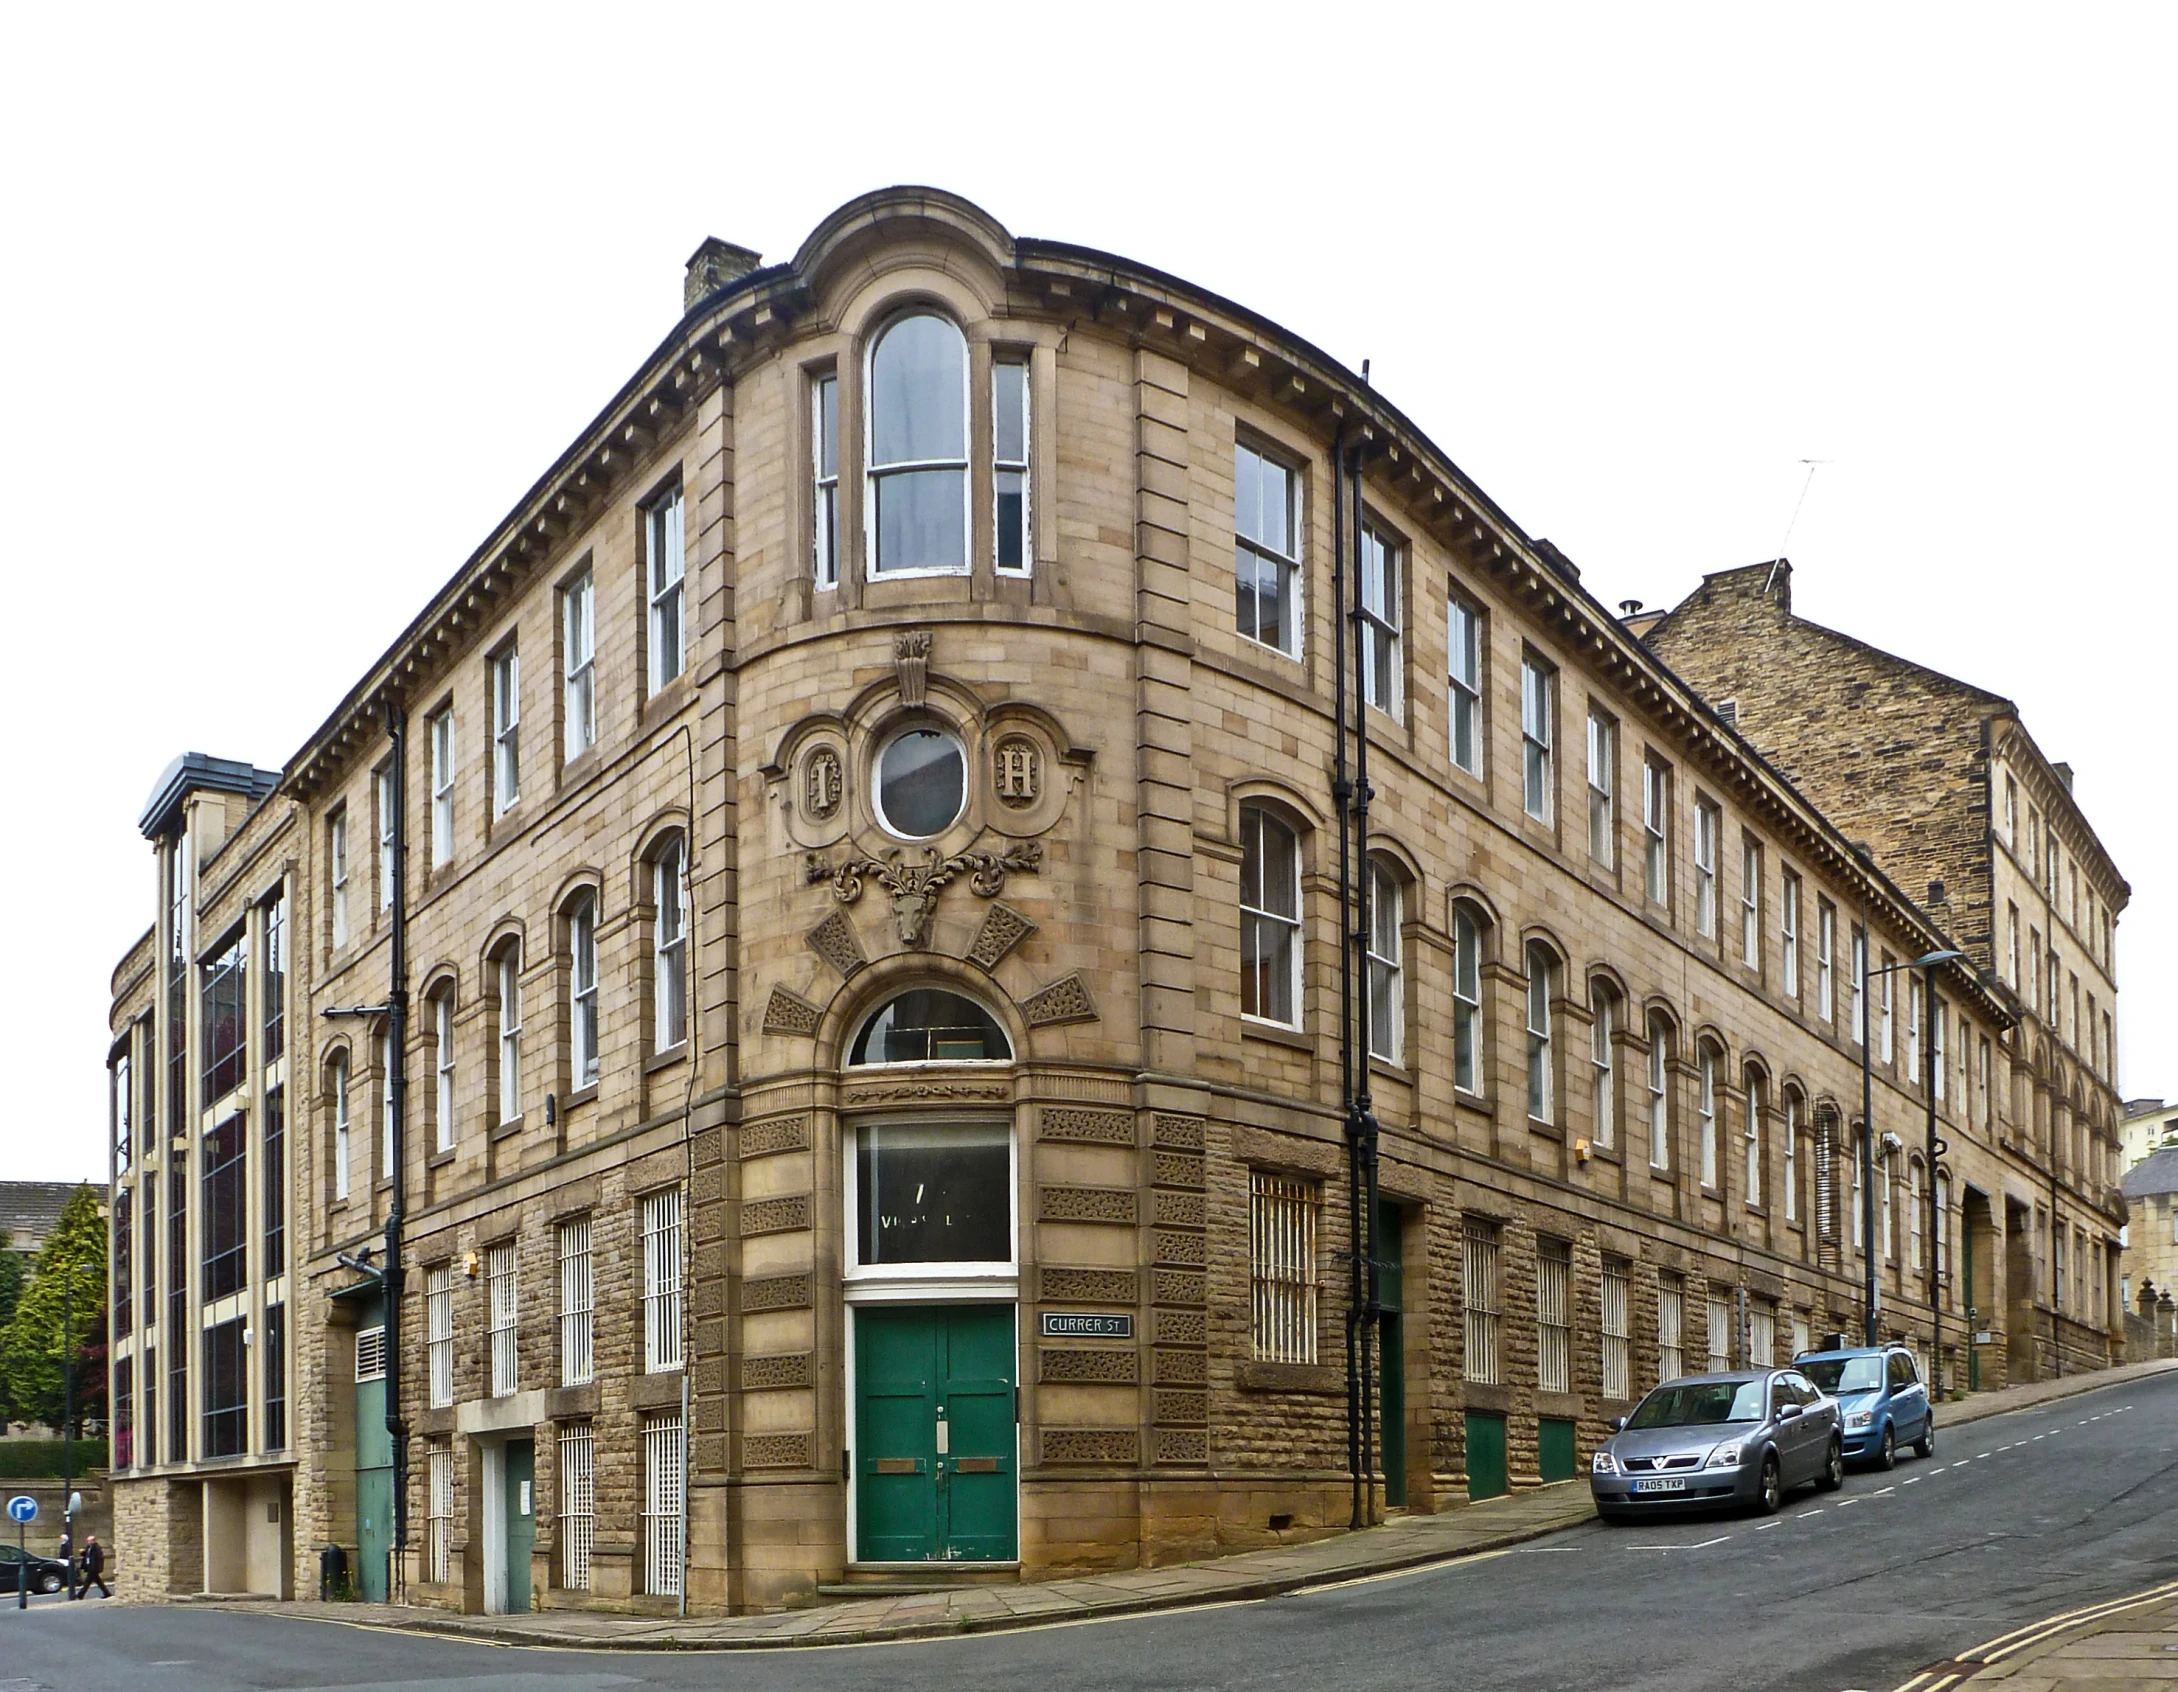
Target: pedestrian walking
[(66, 1552), (94, 1569)]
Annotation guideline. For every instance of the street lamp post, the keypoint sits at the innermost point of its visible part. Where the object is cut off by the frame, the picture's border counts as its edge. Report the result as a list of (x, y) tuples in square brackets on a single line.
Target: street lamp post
[(1927, 961)]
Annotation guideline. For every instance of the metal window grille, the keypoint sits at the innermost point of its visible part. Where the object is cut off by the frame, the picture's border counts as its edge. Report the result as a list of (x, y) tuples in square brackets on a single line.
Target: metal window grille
[(439, 1321), (499, 1282), (1553, 1319), (1720, 1334), (662, 1280), (1761, 1336), (578, 1504), (662, 1470), (370, 1354), (1617, 1343), (1282, 1267), (439, 1525), (1670, 1330), (1479, 1315), (576, 1301)]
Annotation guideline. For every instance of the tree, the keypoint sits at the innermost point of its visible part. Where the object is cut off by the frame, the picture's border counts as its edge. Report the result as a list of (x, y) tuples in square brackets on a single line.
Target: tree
[(14, 1276), (30, 1343)]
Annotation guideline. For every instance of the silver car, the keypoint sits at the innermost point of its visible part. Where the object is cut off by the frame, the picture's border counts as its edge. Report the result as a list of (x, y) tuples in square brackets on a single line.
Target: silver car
[(1745, 1436)]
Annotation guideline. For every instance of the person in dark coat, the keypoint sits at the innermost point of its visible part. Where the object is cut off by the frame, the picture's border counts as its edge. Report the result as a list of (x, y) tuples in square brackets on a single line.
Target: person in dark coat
[(94, 1569)]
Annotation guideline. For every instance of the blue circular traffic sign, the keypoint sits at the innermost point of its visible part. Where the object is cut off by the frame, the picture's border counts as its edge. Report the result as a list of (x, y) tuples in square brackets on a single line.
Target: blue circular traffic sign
[(22, 1508)]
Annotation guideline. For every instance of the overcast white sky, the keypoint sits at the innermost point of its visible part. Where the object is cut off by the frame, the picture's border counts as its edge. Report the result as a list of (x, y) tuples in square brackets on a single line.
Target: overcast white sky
[(298, 301)]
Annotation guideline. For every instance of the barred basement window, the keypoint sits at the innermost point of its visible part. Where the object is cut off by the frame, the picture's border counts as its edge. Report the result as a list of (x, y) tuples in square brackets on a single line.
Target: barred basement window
[(575, 1302), (1282, 1267), (505, 1336), (1553, 1318), (578, 1504), (439, 1525), (1761, 1335), (1479, 1312), (662, 1281), (1670, 1328), (663, 1467), (1720, 1334), (439, 1326), (370, 1354), (1617, 1343)]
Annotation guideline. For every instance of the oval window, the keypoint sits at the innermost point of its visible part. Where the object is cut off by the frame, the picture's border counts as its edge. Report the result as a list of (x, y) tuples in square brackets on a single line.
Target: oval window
[(922, 781), (930, 1025)]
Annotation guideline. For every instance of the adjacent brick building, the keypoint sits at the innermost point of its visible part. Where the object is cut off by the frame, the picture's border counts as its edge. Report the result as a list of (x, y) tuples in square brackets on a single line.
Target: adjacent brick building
[(873, 1082)]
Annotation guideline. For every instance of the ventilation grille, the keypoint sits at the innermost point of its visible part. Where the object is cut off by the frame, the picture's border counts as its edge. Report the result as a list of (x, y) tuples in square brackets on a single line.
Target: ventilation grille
[(370, 1354)]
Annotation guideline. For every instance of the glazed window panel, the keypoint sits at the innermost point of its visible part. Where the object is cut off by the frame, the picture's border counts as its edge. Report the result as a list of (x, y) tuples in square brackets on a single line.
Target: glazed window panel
[(274, 952), (934, 1193), (1757, 1115), (1603, 1059), (824, 461), (1750, 904), (510, 1035), (1382, 575), (669, 944), (224, 1236), (1602, 789), (918, 469), (1542, 973), (1464, 682), (1538, 738), (1791, 1130), (1706, 1107), (1656, 831), (382, 783), (224, 995), (338, 1082), (1010, 463), (442, 1047), (1387, 994), (578, 656), (506, 685), (1270, 918), (668, 567), (1266, 552), (1706, 823), (1659, 1094), (1282, 1266), (1788, 932), (582, 992), (1466, 1001), (442, 788)]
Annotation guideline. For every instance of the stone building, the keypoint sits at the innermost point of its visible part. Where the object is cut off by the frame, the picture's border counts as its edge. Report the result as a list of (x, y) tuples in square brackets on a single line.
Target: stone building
[(2150, 1257), (1942, 781), (2147, 1125), (872, 913)]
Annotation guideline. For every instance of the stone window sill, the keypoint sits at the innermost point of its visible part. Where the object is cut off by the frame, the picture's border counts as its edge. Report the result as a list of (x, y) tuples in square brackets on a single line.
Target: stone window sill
[(1276, 1034), (1321, 1379)]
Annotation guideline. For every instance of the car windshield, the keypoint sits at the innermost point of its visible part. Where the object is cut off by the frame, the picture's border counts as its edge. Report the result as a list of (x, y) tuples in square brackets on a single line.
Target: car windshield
[(1699, 1404), (1845, 1374)]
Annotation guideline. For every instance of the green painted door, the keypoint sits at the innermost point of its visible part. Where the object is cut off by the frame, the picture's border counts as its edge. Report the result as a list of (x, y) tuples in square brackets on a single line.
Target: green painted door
[(521, 1519), (935, 1465), (1485, 1455), (373, 1465), (1554, 1449), (1391, 1374)]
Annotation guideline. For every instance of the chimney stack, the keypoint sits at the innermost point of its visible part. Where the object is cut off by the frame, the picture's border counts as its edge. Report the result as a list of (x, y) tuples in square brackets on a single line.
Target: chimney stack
[(713, 265)]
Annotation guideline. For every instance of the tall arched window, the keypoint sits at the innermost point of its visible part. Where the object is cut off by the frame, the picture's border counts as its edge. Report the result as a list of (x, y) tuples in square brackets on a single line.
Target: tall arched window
[(1659, 1092), (918, 469), (1706, 1107), (1466, 1000), (668, 947), (1914, 1232), (1542, 970), (1387, 981), (582, 1026), (1860, 1192), (1790, 1128), (442, 1066), (1758, 1106), (1270, 918), (1603, 1029), (507, 968), (336, 1083)]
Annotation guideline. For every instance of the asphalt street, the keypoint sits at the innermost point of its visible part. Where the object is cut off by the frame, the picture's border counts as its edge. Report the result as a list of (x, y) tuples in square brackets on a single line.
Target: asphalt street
[(2014, 1519)]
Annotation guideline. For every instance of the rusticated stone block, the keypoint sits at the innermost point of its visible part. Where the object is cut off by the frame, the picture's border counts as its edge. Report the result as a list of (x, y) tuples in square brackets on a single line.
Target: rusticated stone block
[(775, 1292), (788, 1369), (777, 1450), (1089, 1445), (1086, 1204), (1177, 1133), (775, 1215), (1085, 1286), (1087, 1127), (775, 1134), (1091, 1364)]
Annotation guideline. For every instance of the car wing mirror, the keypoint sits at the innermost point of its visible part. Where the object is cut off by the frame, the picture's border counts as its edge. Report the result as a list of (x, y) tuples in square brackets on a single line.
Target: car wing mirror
[(1618, 1424), (1787, 1412)]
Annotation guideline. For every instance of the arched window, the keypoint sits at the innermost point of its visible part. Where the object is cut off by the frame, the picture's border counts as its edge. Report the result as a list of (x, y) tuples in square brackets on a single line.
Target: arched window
[(1943, 1225), (336, 1084), (1270, 918), (1914, 1232), (1603, 1030), (930, 1025), (1758, 1106), (918, 471), (507, 977), (668, 946), (1542, 971), (1659, 1092), (1790, 1128), (1467, 932), (582, 1025), (1705, 1106), (1387, 982), (442, 1066), (1885, 1181)]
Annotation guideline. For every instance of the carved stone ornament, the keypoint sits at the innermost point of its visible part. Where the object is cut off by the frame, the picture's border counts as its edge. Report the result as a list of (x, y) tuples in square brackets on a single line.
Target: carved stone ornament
[(835, 941), (914, 888), (1017, 771), (1003, 929), (1065, 1000), (911, 656), (790, 1013), (823, 784)]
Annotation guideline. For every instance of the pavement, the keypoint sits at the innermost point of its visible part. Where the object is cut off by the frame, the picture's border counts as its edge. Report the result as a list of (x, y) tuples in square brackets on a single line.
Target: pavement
[(1404, 1543), (2132, 1642)]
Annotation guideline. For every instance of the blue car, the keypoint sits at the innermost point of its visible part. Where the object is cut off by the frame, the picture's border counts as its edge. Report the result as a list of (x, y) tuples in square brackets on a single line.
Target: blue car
[(1882, 1402)]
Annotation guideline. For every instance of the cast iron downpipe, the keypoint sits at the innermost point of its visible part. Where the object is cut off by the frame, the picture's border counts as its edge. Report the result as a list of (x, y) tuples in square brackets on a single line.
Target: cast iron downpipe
[(1341, 798), (1362, 1124), (1935, 1211), (1864, 1016), (397, 1207)]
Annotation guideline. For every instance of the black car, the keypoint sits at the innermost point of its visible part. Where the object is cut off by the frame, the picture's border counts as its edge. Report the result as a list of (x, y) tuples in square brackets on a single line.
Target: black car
[(47, 1574)]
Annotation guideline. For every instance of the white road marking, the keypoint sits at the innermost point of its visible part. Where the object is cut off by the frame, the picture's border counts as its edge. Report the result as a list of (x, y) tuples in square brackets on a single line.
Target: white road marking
[(1962, 1465), (1915, 1481), (1767, 1525), (1698, 1545), (2041, 1436), (1979, 1455), (1804, 1514), (1847, 1503), (1884, 1493)]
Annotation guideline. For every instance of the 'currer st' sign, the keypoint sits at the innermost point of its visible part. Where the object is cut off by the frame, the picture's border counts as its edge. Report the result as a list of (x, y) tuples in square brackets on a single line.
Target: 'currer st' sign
[(1082, 1324)]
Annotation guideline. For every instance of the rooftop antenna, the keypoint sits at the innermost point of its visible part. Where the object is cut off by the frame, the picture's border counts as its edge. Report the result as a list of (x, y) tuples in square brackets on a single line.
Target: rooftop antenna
[(1770, 580)]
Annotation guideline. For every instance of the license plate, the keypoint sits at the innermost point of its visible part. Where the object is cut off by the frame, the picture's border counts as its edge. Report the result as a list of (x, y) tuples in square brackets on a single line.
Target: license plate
[(1674, 1484)]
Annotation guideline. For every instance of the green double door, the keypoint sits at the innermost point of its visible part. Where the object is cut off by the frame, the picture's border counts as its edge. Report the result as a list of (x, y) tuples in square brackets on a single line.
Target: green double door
[(935, 1452), (373, 1471)]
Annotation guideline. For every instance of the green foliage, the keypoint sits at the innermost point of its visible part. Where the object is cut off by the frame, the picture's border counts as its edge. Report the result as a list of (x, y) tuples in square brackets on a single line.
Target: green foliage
[(40, 1459), (14, 1276), (30, 1343)]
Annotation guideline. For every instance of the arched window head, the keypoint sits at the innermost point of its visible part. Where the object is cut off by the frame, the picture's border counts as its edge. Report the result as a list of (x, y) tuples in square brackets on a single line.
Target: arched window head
[(1659, 1092), (1468, 928), (919, 447), (1542, 971), (931, 1025), (1270, 918), (1387, 974)]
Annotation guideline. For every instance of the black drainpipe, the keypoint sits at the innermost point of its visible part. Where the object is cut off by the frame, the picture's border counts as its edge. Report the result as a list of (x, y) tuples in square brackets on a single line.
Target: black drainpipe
[(1341, 797), (397, 1209), (1362, 1126)]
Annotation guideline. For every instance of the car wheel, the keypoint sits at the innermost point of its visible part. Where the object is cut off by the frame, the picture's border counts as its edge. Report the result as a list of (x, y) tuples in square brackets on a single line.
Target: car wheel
[(1925, 1446), (1833, 1475), (1773, 1486), (1887, 1452), (49, 1582)]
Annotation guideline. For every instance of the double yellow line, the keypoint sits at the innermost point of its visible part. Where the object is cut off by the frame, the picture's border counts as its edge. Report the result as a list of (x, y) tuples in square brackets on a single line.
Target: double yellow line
[(1995, 1650)]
